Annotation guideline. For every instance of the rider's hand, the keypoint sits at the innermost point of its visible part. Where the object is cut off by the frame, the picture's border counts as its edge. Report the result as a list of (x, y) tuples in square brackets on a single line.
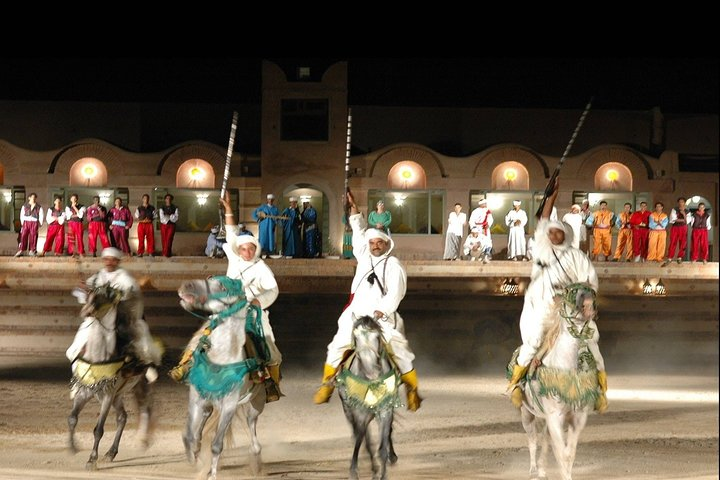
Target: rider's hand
[(225, 202), (255, 302), (379, 314)]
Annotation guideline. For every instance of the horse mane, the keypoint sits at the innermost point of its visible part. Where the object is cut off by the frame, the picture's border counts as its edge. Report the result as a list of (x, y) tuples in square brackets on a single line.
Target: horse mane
[(553, 332)]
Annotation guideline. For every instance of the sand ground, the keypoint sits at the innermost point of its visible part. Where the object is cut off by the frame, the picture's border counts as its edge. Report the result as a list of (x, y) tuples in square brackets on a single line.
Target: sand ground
[(658, 427)]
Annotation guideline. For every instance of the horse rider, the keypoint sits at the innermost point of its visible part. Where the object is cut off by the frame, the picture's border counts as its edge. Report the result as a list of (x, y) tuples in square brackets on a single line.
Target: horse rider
[(261, 289), (556, 265), (378, 287), (129, 311)]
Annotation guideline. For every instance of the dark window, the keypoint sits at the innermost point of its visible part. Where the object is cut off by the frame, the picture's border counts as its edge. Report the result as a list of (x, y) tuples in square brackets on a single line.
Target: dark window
[(304, 120), (698, 163)]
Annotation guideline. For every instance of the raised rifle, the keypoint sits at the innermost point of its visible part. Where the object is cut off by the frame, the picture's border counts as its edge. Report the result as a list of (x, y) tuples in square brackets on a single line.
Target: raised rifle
[(551, 183), (226, 173), (346, 207)]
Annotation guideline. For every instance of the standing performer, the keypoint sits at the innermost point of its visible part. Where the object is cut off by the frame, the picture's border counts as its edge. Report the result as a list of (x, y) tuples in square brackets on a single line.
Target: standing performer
[(482, 218), (678, 232), (378, 287), (516, 219), (146, 214), (380, 218), (658, 236), (556, 265), (700, 222), (625, 234), (586, 231), (455, 231), (31, 218), (97, 225), (169, 215), (311, 234), (601, 221), (292, 228), (639, 221), (56, 228), (575, 219), (265, 216), (74, 215), (122, 220)]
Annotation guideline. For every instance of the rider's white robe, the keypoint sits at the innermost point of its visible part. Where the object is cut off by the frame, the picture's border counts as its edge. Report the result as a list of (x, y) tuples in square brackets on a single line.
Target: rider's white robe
[(516, 233), (384, 295), (554, 268), (258, 281)]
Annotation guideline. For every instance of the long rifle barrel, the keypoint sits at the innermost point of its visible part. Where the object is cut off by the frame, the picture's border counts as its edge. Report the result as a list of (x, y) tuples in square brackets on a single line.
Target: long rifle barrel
[(551, 183)]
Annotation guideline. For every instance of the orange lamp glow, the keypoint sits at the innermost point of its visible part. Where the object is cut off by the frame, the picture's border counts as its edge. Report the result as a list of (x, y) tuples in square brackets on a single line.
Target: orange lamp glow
[(612, 175), (510, 174)]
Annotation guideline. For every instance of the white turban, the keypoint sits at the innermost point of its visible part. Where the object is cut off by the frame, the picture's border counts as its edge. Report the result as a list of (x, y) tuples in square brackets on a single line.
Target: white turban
[(483, 201), (293, 199), (475, 230), (575, 206), (371, 233), (270, 196), (111, 252), (516, 203)]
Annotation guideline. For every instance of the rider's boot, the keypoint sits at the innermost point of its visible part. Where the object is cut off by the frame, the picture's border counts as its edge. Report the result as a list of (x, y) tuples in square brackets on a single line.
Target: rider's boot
[(325, 391), (180, 371), (515, 392), (601, 403), (411, 387), (272, 384)]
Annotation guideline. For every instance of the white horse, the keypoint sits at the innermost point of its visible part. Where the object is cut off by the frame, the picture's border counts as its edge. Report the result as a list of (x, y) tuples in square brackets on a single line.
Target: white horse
[(563, 389), (102, 370), (368, 387), (219, 376)]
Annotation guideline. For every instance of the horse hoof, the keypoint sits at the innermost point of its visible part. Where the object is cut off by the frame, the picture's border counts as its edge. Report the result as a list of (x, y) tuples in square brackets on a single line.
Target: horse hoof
[(72, 449), (255, 465), (91, 466), (393, 459), (109, 457)]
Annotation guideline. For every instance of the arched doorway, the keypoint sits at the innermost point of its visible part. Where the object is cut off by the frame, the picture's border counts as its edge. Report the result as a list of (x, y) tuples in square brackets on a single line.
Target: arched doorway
[(315, 197)]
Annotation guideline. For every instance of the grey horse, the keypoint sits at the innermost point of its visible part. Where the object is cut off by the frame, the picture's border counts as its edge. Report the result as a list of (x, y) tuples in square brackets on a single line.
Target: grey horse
[(101, 370), (368, 387), (219, 377)]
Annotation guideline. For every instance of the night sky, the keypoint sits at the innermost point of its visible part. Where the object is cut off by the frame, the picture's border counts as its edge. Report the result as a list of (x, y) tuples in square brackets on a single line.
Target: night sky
[(676, 85)]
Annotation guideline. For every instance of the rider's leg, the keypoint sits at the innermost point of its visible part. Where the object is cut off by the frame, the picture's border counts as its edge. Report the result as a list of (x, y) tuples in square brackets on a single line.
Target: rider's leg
[(179, 372), (335, 352), (402, 355)]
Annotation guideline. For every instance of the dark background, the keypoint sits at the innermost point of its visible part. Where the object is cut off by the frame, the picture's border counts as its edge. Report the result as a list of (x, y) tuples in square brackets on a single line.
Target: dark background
[(676, 85)]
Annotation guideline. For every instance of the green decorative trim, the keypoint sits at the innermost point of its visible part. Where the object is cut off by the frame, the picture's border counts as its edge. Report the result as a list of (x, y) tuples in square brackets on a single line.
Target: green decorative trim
[(216, 381), (374, 396), (577, 389)]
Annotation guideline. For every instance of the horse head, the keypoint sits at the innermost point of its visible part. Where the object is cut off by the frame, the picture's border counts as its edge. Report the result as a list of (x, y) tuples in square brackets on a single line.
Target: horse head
[(579, 304), (100, 301), (211, 295), (369, 347)]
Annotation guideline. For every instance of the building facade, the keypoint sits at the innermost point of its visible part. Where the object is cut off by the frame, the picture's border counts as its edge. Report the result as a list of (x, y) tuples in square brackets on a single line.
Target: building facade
[(420, 161)]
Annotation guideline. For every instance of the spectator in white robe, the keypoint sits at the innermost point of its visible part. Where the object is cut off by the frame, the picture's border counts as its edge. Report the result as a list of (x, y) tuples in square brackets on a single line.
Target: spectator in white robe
[(455, 231), (575, 219), (516, 219)]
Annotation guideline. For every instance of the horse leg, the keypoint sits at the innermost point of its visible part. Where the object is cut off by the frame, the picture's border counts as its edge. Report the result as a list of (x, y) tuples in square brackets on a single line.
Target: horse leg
[(575, 426), (227, 412), (144, 399), (542, 459), (392, 456), (252, 413), (359, 425), (530, 424), (556, 425), (198, 413), (82, 397), (385, 442), (120, 420), (105, 404)]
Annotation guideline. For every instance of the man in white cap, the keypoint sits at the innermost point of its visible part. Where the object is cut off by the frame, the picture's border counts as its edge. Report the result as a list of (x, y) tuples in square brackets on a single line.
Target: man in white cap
[(574, 218), (261, 289), (292, 226), (516, 219), (378, 287), (472, 247), (266, 216), (556, 265), (129, 311), (482, 218)]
